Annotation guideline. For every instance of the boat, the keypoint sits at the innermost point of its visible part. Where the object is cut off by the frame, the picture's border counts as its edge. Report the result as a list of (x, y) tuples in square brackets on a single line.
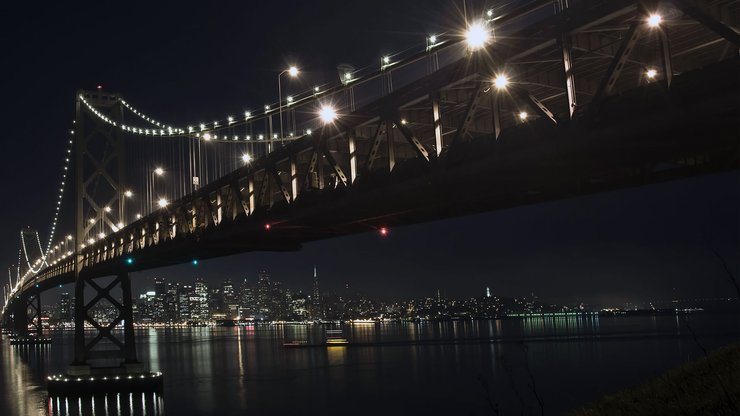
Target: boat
[(335, 337)]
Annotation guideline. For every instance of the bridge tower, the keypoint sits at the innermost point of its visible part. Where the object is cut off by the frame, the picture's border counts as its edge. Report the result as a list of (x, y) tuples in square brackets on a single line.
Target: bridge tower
[(99, 166)]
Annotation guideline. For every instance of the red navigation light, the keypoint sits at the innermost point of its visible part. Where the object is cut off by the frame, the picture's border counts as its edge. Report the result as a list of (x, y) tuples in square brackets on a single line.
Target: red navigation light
[(267, 227), (383, 231)]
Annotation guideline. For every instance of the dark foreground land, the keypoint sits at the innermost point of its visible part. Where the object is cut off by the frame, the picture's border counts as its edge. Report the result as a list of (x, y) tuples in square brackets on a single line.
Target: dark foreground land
[(708, 386)]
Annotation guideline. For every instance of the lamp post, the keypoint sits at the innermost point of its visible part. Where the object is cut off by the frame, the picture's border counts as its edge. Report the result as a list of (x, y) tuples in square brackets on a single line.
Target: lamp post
[(293, 72), (152, 190)]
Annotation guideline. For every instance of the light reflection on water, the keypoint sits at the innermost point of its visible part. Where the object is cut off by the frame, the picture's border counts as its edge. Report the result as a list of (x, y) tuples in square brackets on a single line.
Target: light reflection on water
[(108, 404), (433, 367)]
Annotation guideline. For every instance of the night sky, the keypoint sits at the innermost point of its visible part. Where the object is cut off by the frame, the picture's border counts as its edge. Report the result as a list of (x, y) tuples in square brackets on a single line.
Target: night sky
[(181, 63)]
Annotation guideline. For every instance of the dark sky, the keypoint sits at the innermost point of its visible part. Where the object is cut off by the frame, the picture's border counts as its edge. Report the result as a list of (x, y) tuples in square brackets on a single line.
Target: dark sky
[(180, 62)]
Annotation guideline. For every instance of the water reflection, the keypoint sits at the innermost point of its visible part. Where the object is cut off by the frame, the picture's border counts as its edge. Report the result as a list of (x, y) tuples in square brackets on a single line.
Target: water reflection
[(420, 367), (123, 404)]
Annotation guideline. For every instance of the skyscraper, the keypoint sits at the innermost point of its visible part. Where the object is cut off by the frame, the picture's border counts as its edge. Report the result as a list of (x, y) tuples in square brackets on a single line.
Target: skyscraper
[(200, 309), (65, 311), (264, 294), (316, 301), (184, 307), (160, 286)]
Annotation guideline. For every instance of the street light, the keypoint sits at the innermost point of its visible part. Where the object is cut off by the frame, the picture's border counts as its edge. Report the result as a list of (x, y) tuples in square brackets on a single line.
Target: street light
[(654, 20), (327, 114), (162, 202), (293, 72), (477, 35), (501, 81), (246, 158)]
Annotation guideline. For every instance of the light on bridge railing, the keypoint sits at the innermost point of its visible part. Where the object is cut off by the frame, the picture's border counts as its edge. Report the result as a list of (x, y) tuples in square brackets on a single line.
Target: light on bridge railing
[(162, 202), (246, 158), (523, 115), (651, 73), (128, 193), (159, 171)]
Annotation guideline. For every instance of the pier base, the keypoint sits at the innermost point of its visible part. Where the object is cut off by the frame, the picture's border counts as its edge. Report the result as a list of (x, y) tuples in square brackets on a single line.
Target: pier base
[(28, 340), (81, 381)]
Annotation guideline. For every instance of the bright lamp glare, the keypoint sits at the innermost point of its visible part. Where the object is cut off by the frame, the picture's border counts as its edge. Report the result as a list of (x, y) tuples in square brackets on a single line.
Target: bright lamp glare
[(477, 35), (162, 202), (327, 114), (500, 82), (159, 171), (293, 71), (651, 73), (246, 158), (523, 115), (654, 20)]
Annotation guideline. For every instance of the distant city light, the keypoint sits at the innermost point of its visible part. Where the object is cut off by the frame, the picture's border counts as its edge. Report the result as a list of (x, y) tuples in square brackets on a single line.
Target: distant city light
[(267, 227), (195, 262), (477, 35), (383, 231), (129, 260)]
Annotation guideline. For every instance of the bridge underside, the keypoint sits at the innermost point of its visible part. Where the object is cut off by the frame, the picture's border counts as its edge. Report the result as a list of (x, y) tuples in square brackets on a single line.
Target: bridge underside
[(645, 135)]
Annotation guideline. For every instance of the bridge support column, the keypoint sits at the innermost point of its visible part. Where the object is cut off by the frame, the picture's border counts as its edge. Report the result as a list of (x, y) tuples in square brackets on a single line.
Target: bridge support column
[(87, 350), (105, 362), (27, 321)]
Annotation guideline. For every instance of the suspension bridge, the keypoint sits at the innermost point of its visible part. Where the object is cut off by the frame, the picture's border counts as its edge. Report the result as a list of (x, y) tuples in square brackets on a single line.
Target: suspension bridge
[(525, 104)]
